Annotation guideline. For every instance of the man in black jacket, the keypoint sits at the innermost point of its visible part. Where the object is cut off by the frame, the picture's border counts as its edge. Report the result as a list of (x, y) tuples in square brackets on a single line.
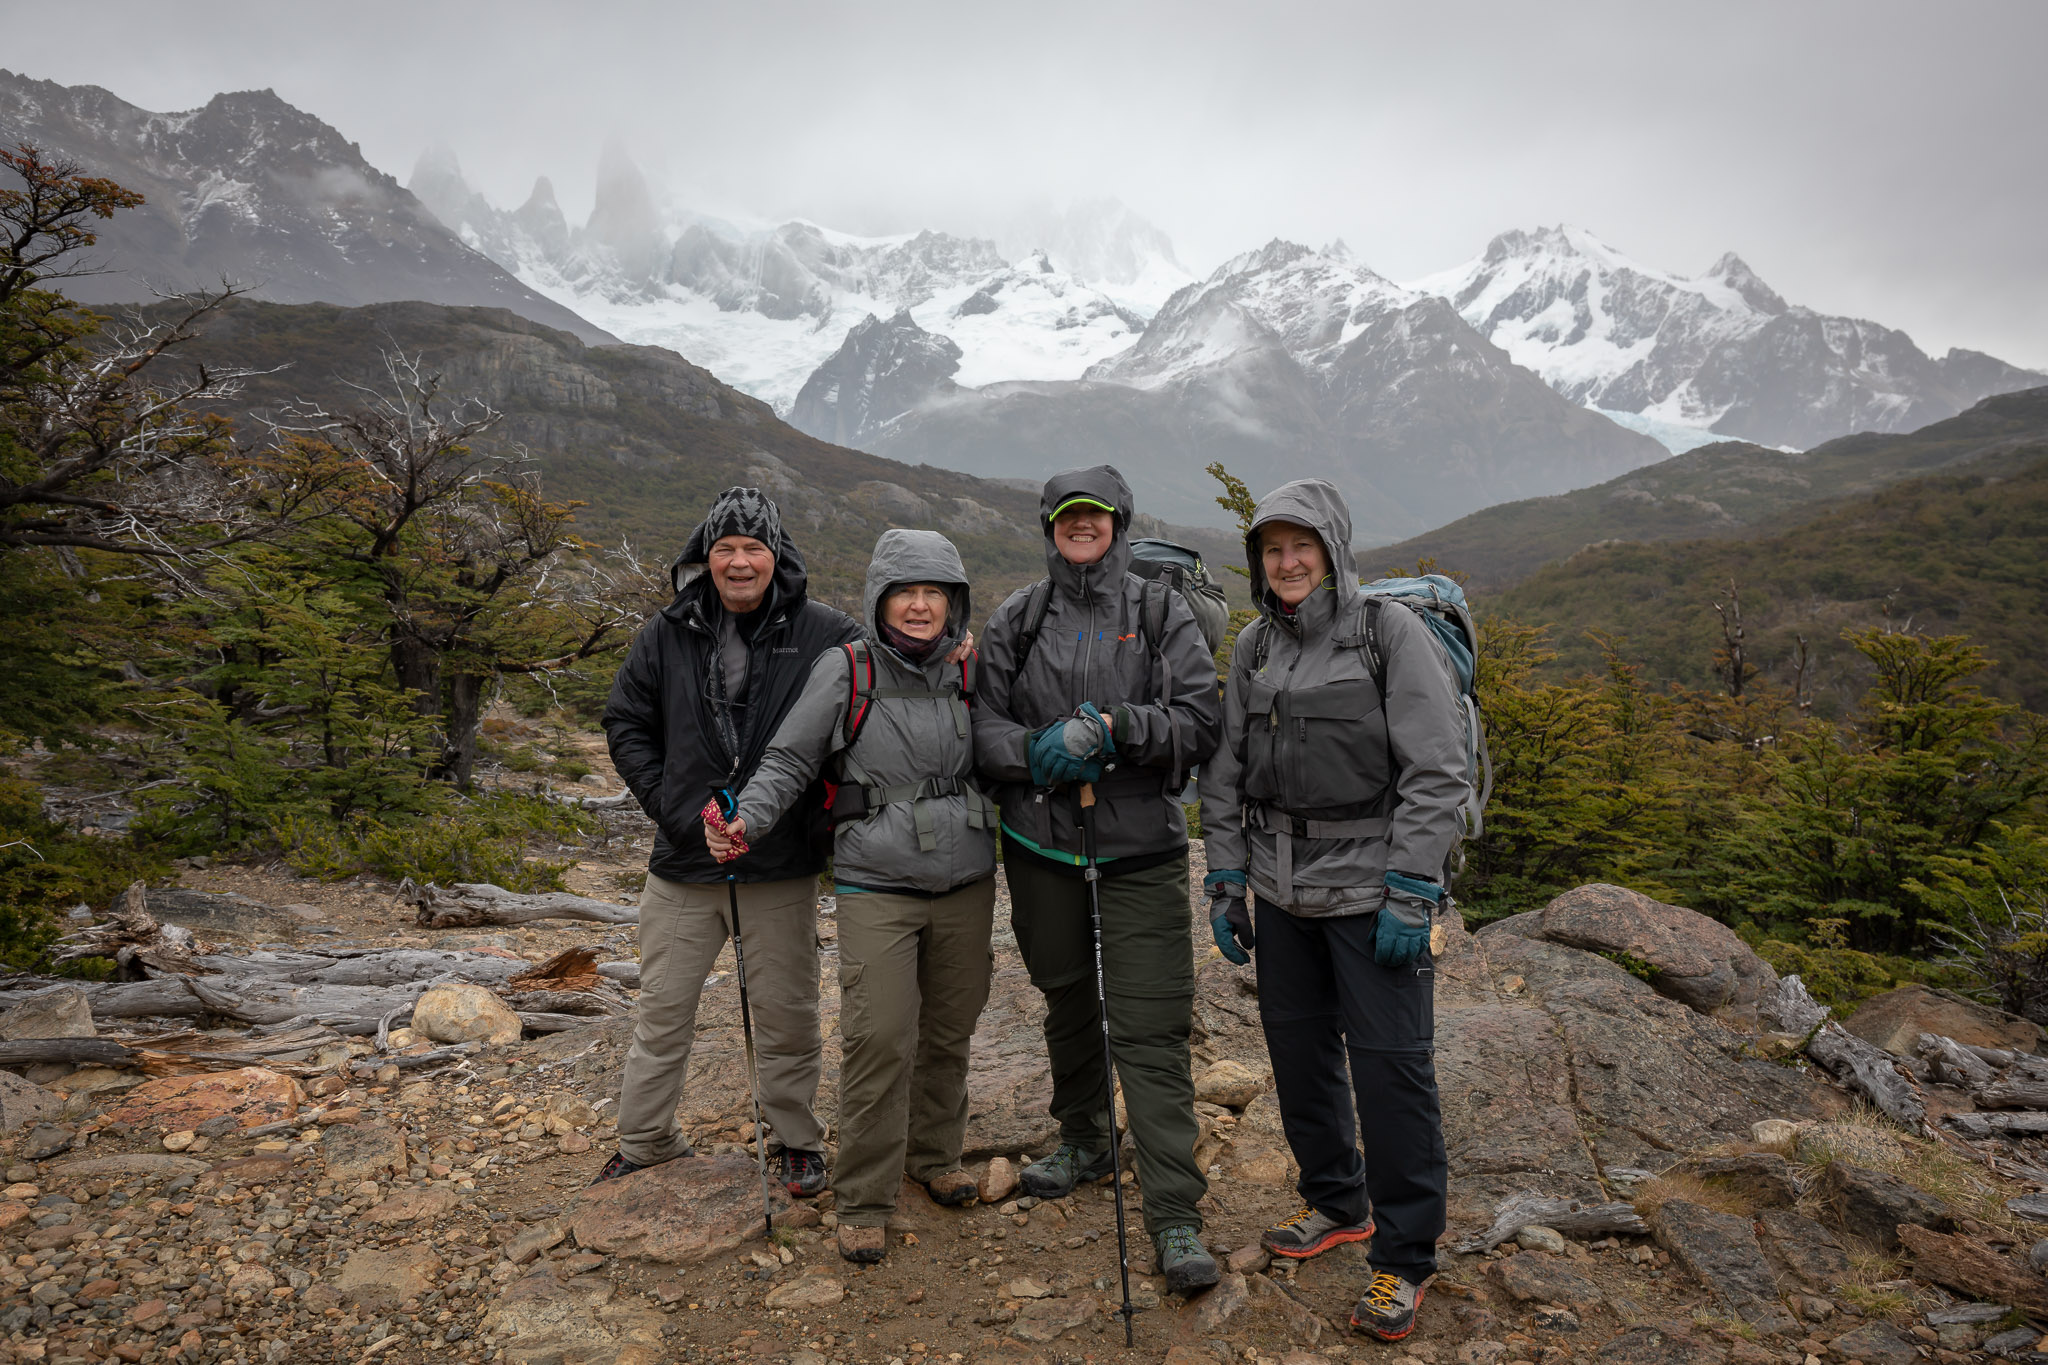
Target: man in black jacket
[(691, 713)]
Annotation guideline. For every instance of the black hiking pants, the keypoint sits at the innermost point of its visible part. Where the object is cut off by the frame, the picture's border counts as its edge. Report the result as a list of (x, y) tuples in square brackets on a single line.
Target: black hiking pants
[(1326, 1004)]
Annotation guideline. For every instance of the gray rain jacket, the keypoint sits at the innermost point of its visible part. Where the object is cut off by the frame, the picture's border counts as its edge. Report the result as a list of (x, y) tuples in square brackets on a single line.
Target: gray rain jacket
[(934, 842), (1322, 784), (1091, 648)]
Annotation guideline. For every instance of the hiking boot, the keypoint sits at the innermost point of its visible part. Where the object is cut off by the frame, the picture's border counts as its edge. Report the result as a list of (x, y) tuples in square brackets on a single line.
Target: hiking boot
[(864, 1246), (1388, 1309), (802, 1173), (1056, 1175), (1186, 1264), (953, 1189), (1311, 1233), (617, 1167)]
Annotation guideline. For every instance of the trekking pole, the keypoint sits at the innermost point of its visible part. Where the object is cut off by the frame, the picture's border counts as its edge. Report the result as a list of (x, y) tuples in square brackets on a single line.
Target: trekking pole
[(1093, 876), (739, 963)]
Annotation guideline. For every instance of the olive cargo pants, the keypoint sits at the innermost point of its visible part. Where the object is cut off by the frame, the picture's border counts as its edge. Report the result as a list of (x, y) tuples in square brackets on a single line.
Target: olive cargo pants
[(913, 977), (1148, 963)]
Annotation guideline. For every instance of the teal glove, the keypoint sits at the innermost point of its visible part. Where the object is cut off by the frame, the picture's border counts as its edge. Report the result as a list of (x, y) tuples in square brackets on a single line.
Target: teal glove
[(1230, 920), (1403, 929), (1070, 750)]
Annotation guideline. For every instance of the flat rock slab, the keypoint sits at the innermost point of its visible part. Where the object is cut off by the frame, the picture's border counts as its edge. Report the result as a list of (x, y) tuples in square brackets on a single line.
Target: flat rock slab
[(23, 1103), (408, 1205), (1540, 1277), (1895, 1020), (1766, 1179), (1659, 1346), (384, 1280), (60, 1012), (140, 1163), (351, 1151), (1722, 1253), (1973, 1268), (809, 1291), (1875, 1343), (1241, 1303), (1805, 1250), (1049, 1319), (249, 1097), (548, 1321), (1694, 960), (678, 1212), (1871, 1204)]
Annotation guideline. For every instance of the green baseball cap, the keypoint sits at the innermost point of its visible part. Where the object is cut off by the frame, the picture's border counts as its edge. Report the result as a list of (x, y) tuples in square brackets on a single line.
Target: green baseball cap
[(1083, 501)]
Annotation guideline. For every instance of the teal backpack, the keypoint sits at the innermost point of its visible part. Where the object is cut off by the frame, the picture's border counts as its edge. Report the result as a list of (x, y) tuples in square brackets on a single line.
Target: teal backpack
[(1440, 602)]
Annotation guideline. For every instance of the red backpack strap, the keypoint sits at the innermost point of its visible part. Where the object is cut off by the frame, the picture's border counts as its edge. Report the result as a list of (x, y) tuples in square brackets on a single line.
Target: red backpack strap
[(858, 698), (970, 673)]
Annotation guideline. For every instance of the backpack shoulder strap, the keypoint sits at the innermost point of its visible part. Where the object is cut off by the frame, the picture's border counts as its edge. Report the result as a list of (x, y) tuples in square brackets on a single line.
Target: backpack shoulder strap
[(1152, 612), (1369, 639), (1035, 608), (970, 675), (859, 695)]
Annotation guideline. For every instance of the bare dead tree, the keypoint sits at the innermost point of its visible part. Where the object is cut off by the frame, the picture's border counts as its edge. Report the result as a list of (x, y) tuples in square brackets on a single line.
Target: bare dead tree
[(1801, 661), (1732, 659)]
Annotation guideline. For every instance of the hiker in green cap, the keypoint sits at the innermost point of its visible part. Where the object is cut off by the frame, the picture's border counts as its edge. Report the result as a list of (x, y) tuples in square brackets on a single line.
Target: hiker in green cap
[(1097, 678)]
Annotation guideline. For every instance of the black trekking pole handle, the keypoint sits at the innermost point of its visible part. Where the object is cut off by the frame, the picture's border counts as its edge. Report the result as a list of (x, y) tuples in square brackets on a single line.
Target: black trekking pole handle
[(1093, 875)]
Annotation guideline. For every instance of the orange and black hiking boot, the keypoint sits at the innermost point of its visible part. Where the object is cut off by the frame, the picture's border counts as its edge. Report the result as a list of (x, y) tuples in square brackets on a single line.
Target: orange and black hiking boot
[(1388, 1309), (1311, 1233)]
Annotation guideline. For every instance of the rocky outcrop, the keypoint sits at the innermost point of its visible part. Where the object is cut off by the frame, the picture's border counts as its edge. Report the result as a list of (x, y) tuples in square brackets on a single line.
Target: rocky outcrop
[(1696, 961), (883, 370), (1895, 1020)]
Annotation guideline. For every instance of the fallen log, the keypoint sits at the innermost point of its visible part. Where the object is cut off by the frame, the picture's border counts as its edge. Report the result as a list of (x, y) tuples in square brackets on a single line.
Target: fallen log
[(2013, 1093), (77, 1051), (1863, 1067), (627, 974), (467, 905), (1970, 1267), (1998, 1125), (1572, 1217), (133, 938), (367, 967), (583, 1003), (414, 1061), (1954, 1062), (540, 1022)]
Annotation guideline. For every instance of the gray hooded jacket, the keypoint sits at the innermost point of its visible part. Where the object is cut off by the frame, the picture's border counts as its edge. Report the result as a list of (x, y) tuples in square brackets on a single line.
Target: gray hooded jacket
[(1091, 649), (932, 843), (1338, 787)]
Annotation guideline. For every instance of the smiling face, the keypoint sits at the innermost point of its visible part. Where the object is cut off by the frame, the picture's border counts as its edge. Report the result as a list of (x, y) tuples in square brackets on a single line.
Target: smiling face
[(1082, 533), (916, 609), (741, 570), (1294, 560)]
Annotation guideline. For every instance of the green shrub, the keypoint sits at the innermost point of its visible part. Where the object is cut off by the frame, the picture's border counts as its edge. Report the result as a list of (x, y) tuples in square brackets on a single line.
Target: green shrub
[(46, 869), (483, 840)]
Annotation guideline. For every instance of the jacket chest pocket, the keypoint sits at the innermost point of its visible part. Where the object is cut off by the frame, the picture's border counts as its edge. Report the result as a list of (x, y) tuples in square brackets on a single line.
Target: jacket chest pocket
[(1326, 749)]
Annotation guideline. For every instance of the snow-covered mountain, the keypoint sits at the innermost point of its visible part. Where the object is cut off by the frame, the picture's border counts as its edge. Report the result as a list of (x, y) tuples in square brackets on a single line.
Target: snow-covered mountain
[(251, 189), (765, 307), (1105, 243), (1716, 356), (1285, 362)]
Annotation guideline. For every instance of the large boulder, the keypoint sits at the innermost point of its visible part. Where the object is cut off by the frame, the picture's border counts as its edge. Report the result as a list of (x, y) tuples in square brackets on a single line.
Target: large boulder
[(1696, 961), (1895, 1020), (23, 1103), (461, 1013)]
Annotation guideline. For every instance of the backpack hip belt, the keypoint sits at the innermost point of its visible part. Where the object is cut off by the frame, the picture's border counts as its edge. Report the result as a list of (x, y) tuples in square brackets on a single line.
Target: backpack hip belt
[(1286, 827)]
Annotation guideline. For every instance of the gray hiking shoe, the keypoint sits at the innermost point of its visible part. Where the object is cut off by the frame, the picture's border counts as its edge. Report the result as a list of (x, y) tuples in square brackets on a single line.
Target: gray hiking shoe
[(1184, 1261), (1056, 1175), (1311, 1233), (1388, 1309)]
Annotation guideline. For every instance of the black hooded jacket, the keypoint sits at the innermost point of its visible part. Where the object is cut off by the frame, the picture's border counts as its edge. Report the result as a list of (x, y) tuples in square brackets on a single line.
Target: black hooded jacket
[(665, 738)]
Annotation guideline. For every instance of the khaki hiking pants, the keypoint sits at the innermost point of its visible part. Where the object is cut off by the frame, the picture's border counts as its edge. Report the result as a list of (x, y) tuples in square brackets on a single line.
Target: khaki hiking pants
[(682, 930), (913, 977)]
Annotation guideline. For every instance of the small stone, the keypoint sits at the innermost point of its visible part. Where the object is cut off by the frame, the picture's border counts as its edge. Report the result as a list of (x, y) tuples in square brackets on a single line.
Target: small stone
[(382, 1280), (46, 1140), (359, 1152), (1536, 1237), (60, 1012), (1248, 1260), (1774, 1132), (2038, 1256), (998, 1182), (806, 1292), (24, 1102), (575, 1144), (1024, 1287), (178, 1142), (1231, 1084)]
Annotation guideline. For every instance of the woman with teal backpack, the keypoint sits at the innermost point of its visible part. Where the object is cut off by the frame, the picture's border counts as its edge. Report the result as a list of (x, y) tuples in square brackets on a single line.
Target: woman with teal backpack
[(1334, 807)]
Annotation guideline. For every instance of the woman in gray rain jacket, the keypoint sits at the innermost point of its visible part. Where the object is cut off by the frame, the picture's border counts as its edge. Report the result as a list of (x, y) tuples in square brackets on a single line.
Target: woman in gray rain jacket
[(889, 721), (1337, 800)]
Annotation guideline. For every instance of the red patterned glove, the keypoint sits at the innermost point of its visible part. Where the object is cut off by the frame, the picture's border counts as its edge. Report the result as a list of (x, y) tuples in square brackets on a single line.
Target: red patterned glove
[(715, 818)]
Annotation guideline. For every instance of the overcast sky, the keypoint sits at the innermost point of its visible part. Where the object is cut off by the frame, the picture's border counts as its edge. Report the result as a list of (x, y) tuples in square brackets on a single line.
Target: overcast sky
[(1883, 160)]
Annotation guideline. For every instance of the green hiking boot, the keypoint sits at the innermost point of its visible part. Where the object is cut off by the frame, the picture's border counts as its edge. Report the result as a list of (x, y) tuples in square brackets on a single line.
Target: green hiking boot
[(1184, 1261), (1055, 1176)]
